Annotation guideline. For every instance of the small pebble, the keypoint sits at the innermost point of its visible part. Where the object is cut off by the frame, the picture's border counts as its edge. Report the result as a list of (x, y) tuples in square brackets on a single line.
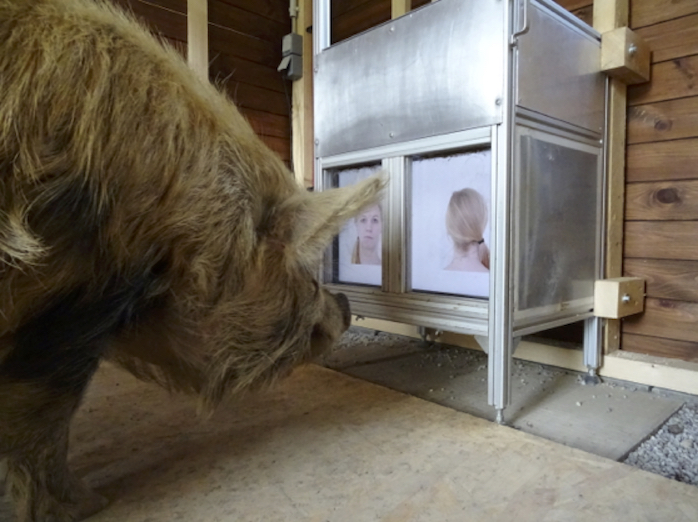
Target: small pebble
[(675, 429)]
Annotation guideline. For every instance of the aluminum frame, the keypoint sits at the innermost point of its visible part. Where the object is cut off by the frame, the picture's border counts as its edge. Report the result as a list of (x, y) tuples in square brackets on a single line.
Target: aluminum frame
[(491, 321)]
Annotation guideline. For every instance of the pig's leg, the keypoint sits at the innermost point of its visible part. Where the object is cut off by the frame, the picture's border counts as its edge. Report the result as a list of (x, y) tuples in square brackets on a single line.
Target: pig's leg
[(34, 420), (46, 367)]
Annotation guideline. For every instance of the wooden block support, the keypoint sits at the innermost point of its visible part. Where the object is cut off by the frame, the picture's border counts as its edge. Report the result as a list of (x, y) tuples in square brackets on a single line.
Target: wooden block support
[(619, 297), (400, 7), (625, 55)]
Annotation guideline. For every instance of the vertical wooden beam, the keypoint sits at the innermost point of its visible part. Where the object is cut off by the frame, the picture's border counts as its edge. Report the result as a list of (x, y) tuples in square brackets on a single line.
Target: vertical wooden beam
[(400, 7), (609, 15), (197, 36), (302, 105)]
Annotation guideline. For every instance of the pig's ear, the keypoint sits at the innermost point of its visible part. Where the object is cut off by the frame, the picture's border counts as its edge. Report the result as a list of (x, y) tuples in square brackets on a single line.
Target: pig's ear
[(315, 218)]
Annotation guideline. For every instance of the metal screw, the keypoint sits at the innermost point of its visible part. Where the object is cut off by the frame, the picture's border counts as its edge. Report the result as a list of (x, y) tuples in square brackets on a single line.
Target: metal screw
[(391, 134), (498, 101), (315, 69), (625, 298), (317, 142), (632, 49), (392, 29)]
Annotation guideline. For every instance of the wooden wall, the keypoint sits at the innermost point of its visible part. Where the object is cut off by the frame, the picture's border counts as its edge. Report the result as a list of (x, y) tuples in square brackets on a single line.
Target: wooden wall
[(244, 52), (244, 38), (661, 227)]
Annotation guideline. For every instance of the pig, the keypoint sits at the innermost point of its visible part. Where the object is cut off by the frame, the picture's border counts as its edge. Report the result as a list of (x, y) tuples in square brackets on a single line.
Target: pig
[(143, 222)]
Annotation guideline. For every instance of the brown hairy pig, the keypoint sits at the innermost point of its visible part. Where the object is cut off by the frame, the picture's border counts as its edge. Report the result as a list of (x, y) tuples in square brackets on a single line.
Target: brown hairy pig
[(141, 221)]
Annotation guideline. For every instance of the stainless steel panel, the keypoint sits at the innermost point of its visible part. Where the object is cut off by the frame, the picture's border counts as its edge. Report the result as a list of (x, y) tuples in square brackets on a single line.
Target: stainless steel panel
[(437, 70), (558, 70), (558, 189)]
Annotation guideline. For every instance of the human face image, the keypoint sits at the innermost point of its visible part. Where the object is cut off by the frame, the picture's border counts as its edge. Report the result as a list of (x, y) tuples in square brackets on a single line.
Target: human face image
[(368, 225)]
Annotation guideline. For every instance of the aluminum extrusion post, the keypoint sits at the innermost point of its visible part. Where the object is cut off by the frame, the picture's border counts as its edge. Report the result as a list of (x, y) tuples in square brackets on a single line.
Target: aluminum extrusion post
[(592, 349)]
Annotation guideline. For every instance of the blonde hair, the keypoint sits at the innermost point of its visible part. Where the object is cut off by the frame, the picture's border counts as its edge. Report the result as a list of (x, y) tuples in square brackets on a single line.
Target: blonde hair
[(355, 258), (466, 219)]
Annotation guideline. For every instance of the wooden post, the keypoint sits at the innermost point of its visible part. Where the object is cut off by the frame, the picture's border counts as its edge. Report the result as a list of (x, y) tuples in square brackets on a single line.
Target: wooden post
[(609, 15), (302, 106), (400, 7), (197, 36)]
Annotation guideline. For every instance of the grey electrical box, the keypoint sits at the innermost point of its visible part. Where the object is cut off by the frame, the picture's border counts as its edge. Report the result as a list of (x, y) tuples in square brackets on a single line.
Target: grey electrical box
[(292, 57)]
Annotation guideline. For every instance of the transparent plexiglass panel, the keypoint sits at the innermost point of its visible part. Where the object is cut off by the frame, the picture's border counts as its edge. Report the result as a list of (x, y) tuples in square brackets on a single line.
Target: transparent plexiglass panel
[(356, 254), (449, 223), (557, 223)]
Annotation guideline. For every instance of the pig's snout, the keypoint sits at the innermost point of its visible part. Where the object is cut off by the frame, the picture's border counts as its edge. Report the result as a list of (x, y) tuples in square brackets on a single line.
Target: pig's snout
[(343, 303)]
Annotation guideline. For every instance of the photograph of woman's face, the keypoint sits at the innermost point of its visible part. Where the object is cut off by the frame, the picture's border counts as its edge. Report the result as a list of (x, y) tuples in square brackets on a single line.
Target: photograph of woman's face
[(359, 245), (369, 225)]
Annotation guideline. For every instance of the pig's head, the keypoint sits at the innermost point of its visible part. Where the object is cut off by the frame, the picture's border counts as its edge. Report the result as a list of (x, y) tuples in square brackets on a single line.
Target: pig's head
[(284, 317)]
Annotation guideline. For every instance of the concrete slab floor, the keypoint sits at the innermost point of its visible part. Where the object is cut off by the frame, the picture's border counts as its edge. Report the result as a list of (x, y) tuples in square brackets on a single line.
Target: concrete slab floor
[(609, 419), (323, 446)]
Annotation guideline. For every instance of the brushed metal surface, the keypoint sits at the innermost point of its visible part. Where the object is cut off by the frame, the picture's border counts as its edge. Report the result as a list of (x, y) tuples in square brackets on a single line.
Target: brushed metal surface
[(558, 70), (437, 70)]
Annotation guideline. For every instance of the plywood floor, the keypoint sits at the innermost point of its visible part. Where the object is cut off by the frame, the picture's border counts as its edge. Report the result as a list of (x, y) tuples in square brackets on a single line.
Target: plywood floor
[(324, 446)]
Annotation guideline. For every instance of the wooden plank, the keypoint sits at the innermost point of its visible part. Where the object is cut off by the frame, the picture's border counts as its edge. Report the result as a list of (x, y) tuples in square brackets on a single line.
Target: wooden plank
[(223, 66), (271, 9), (610, 14), (197, 37), (663, 200), (667, 319), (267, 124), (572, 5), (244, 46), (302, 146), (252, 97), (282, 147), (659, 347), (653, 12), (662, 240), (246, 22), (163, 21), (669, 120), (672, 39), (666, 279), (676, 78), (615, 199), (400, 7), (340, 7), (358, 20), (179, 6), (667, 160)]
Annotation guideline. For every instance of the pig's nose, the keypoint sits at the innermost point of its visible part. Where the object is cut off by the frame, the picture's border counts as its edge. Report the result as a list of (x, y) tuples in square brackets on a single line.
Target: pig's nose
[(343, 303)]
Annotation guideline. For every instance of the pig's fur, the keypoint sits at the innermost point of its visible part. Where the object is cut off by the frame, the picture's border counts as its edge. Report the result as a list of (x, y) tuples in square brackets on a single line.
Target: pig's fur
[(141, 220)]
